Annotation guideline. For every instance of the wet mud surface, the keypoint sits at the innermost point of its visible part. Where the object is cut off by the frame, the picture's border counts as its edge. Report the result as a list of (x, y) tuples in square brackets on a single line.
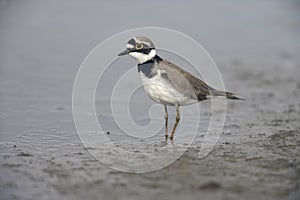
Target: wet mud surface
[(256, 157)]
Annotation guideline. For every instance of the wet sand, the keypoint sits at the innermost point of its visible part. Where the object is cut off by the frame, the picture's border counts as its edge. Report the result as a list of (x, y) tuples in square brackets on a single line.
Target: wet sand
[(256, 46)]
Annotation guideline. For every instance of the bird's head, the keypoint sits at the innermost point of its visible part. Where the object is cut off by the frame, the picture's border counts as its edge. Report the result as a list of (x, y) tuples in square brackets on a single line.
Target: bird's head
[(140, 48)]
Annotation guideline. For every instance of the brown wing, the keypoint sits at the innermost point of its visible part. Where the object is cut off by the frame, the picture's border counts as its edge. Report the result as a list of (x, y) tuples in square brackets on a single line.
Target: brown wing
[(185, 82)]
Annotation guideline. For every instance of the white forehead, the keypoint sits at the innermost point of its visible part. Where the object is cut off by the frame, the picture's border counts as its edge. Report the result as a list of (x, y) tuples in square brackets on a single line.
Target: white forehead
[(129, 46)]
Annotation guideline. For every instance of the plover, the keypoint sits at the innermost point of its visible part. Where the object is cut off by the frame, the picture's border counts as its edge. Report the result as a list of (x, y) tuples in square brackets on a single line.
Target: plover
[(166, 83)]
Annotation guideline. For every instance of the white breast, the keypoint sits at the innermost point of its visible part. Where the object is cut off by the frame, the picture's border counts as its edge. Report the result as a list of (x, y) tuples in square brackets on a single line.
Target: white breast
[(162, 91)]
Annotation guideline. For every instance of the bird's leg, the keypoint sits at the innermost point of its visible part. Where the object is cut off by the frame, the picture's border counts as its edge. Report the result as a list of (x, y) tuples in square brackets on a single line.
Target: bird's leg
[(176, 122), (166, 123)]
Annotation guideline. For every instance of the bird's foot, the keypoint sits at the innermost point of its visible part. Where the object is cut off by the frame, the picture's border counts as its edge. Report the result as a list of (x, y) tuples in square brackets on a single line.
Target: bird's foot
[(166, 137)]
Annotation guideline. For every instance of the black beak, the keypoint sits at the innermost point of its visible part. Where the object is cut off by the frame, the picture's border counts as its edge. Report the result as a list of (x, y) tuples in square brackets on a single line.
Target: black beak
[(125, 52)]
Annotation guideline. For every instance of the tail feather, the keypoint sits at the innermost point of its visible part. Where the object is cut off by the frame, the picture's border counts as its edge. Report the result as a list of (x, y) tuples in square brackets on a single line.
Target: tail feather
[(228, 95)]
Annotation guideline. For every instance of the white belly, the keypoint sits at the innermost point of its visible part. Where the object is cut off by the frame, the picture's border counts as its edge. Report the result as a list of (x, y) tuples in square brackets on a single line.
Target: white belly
[(161, 91)]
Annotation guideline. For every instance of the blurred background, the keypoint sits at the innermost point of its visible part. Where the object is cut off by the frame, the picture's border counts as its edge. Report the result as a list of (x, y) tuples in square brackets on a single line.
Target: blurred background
[(256, 46)]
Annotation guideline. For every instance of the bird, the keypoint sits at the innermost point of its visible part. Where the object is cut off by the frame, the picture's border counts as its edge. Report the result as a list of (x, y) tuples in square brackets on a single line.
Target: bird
[(166, 83)]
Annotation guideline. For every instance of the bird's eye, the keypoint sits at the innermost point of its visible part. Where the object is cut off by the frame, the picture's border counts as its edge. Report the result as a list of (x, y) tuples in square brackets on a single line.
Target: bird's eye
[(139, 46)]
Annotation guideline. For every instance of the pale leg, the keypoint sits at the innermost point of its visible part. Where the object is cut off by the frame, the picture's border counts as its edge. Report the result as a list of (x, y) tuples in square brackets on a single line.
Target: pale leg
[(176, 122), (166, 123)]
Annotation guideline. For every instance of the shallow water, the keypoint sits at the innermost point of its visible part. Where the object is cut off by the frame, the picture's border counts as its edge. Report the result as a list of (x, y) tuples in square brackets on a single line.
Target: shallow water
[(256, 46)]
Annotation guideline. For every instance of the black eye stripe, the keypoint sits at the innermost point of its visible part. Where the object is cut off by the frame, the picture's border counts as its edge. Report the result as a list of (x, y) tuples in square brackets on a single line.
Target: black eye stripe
[(143, 50)]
